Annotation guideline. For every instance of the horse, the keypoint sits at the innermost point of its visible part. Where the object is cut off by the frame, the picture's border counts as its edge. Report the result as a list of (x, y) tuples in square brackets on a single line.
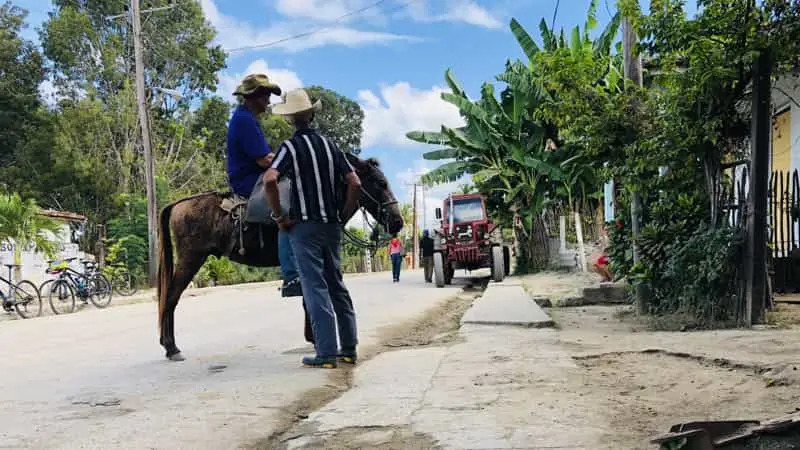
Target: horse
[(202, 227)]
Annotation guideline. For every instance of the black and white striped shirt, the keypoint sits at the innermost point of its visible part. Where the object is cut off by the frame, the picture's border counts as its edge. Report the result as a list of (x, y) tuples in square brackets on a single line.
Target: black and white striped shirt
[(316, 168)]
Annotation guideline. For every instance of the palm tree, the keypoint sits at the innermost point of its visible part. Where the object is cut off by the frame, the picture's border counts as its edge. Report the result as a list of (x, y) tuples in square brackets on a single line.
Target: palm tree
[(22, 223)]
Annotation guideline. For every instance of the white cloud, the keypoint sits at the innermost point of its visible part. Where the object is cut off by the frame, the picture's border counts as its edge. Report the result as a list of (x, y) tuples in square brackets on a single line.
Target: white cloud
[(464, 11), (402, 108), (473, 14), (284, 78), (233, 33)]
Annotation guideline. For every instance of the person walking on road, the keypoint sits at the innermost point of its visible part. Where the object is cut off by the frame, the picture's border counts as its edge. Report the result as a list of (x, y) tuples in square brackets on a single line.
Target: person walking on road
[(318, 171), (396, 253), (426, 253)]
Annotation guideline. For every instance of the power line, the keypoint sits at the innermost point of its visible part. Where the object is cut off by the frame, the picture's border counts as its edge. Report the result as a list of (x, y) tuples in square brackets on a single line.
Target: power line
[(320, 29)]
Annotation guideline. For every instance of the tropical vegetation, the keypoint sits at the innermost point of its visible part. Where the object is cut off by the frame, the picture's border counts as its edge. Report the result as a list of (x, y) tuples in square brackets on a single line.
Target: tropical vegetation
[(565, 121)]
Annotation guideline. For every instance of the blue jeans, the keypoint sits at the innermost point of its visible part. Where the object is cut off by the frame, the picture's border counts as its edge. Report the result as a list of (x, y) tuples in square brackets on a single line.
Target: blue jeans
[(316, 248), (286, 257), (397, 259)]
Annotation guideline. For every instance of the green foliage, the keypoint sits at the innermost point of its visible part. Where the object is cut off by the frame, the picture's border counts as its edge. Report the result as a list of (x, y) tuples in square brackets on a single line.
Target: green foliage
[(21, 222), (128, 252), (21, 72), (177, 48), (219, 271), (698, 279)]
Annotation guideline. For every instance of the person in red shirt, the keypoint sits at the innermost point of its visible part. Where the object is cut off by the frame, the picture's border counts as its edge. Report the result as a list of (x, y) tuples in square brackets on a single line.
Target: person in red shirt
[(601, 260), (396, 253)]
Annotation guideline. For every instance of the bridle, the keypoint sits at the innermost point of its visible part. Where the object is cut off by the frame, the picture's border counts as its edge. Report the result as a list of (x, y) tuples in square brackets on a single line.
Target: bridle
[(383, 216)]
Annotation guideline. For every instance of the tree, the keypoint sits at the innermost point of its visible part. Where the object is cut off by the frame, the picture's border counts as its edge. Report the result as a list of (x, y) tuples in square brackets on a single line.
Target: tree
[(21, 72), (21, 223), (340, 119), (92, 53)]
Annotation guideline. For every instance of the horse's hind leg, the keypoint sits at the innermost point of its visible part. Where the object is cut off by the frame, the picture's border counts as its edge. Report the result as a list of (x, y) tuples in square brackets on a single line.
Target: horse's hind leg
[(308, 331), (185, 270)]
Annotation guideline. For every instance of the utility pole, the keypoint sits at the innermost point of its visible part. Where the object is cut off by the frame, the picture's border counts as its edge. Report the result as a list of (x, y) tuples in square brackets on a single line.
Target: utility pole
[(414, 229), (755, 270), (633, 72), (149, 163)]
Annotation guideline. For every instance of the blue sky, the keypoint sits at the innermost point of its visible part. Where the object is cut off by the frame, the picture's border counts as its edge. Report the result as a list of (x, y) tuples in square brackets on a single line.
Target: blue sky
[(389, 58)]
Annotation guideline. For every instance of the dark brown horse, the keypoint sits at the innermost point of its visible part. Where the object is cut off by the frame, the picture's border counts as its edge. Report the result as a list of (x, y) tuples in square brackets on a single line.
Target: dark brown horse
[(202, 228)]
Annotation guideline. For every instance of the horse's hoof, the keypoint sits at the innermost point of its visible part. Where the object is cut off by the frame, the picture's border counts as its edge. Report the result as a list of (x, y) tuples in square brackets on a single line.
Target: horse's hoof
[(176, 357)]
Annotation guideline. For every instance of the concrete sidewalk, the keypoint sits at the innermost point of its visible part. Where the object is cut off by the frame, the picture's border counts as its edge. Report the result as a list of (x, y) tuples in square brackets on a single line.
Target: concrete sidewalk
[(493, 390)]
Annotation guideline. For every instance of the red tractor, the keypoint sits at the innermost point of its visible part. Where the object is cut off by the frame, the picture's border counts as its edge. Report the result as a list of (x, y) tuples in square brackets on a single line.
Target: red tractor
[(467, 240)]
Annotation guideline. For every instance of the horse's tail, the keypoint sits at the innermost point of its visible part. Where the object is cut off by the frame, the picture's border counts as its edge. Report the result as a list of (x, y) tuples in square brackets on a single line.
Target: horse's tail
[(165, 262)]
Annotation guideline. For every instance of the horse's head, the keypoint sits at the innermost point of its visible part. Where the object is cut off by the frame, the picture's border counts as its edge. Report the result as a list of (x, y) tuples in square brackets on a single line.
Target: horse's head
[(376, 195)]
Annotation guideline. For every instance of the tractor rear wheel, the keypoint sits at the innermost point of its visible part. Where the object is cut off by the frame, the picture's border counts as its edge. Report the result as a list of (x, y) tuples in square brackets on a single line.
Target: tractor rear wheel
[(438, 269)]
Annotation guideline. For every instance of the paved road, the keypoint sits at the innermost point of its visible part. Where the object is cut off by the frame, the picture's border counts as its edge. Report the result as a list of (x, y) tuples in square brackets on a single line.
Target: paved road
[(98, 379)]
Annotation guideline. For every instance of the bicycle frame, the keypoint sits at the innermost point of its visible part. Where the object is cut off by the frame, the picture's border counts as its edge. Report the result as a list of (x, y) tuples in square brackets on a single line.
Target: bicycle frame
[(67, 274)]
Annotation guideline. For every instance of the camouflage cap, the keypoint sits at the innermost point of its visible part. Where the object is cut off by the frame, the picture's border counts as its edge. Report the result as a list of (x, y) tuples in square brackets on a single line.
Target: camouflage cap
[(253, 83)]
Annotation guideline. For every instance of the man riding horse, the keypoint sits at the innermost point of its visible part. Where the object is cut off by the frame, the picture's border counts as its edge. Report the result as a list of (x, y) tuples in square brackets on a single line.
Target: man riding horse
[(250, 155)]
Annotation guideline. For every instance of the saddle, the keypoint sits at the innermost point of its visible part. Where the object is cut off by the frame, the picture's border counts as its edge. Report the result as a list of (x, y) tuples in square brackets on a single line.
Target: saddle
[(255, 209)]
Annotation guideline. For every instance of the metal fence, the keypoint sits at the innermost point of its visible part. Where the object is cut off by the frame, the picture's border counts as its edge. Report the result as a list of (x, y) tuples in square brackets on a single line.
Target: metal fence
[(783, 222)]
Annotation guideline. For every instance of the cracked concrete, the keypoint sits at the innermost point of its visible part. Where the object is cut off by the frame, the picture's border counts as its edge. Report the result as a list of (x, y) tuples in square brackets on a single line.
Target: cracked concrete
[(494, 390)]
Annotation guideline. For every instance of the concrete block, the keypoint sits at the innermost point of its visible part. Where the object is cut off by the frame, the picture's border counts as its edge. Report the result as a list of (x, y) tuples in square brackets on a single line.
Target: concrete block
[(506, 305), (604, 294)]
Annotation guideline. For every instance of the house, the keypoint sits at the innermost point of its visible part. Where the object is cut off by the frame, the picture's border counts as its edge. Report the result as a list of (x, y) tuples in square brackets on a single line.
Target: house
[(34, 263)]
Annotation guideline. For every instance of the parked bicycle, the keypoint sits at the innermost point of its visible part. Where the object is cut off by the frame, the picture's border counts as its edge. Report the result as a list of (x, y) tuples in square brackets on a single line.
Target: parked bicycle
[(122, 281), (89, 286), (23, 296)]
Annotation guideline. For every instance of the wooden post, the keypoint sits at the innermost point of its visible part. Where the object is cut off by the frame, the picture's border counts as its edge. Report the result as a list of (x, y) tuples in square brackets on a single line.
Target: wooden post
[(581, 247), (633, 72), (756, 242), (149, 163)]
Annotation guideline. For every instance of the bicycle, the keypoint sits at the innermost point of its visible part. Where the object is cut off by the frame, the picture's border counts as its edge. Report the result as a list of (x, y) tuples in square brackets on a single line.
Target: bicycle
[(89, 286), (122, 281), (21, 296)]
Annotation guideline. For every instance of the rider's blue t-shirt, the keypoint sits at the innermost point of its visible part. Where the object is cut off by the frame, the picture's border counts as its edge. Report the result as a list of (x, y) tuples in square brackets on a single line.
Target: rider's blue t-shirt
[(246, 144)]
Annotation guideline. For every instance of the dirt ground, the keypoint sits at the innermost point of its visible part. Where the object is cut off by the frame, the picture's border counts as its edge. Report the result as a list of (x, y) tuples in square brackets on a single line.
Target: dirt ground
[(646, 381)]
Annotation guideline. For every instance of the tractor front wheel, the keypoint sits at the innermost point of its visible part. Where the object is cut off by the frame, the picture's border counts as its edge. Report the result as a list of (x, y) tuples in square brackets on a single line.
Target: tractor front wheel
[(438, 269), (498, 266)]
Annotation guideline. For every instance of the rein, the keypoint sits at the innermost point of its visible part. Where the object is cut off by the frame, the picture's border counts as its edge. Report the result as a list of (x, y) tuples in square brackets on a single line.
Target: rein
[(373, 243)]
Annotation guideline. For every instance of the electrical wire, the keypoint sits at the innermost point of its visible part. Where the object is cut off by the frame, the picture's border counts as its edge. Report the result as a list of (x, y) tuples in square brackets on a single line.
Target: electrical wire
[(320, 29)]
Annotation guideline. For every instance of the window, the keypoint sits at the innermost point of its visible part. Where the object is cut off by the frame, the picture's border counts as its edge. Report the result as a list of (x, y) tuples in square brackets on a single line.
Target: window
[(467, 210)]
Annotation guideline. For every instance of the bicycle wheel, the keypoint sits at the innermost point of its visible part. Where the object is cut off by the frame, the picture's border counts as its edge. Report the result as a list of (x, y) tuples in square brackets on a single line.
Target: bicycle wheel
[(123, 284), (62, 294), (44, 288), (100, 291), (27, 300)]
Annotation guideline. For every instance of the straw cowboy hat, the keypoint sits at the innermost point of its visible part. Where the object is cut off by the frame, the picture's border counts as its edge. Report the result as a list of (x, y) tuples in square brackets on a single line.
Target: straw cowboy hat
[(257, 83), (294, 102)]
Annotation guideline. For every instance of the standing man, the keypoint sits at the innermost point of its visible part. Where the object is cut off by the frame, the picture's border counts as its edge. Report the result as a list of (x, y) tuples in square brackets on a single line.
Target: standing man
[(426, 250), (318, 171), (249, 155)]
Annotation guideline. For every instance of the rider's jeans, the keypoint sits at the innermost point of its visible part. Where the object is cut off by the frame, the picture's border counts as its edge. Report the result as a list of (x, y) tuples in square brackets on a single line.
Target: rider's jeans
[(286, 257)]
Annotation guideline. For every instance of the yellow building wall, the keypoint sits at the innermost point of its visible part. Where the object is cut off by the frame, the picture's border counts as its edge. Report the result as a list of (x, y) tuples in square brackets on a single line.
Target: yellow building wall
[(781, 165)]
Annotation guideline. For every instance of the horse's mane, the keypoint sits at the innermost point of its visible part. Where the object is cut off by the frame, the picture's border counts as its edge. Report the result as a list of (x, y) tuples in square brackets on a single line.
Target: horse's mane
[(355, 160)]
